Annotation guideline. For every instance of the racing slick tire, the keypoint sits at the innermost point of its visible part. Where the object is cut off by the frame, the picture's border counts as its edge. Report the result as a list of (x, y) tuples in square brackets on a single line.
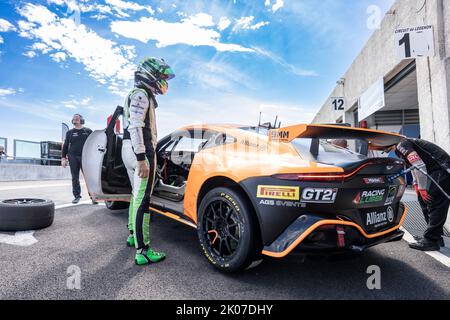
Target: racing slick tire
[(117, 205), (26, 214), (227, 230)]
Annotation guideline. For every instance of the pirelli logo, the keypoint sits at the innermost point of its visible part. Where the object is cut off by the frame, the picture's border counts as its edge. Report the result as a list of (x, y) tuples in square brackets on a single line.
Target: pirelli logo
[(278, 192)]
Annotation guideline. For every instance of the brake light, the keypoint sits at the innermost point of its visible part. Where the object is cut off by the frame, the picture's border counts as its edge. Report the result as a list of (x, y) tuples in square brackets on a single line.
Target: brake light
[(311, 176), (327, 176)]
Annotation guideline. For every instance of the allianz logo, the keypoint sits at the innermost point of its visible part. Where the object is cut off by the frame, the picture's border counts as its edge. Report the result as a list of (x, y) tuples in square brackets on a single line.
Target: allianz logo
[(378, 217)]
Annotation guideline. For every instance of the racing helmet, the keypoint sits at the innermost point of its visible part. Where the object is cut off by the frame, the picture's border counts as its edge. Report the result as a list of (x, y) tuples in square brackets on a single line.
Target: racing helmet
[(153, 73)]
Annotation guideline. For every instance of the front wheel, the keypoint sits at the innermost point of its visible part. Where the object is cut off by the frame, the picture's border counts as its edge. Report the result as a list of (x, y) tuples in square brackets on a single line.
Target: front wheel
[(227, 230), (117, 205)]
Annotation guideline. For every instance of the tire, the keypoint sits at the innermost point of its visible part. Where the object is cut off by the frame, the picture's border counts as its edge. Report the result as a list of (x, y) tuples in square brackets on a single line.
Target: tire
[(117, 205), (26, 214), (218, 234)]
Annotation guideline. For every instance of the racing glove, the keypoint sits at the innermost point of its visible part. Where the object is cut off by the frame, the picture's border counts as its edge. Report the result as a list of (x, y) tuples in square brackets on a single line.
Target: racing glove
[(425, 196)]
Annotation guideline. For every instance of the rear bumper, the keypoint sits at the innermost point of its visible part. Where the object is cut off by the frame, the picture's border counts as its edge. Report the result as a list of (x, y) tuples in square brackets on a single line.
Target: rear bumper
[(310, 233)]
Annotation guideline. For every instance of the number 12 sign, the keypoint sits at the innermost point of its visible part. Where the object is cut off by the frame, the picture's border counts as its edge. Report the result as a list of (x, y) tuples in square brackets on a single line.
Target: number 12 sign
[(414, 42), (338, 103)]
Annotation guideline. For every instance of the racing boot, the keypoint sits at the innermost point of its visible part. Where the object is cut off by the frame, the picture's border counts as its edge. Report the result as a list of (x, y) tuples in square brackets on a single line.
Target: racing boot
[(440, 241), (130, 240), (425, 245), (147, 255)]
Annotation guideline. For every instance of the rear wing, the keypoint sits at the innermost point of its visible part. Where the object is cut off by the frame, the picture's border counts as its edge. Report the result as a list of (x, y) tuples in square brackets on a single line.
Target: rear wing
[(377, 140)]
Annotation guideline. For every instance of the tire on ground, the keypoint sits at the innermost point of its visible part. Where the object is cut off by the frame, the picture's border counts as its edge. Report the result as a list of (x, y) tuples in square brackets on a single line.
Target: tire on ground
[(26, 214), (249, 249), (117, 205)]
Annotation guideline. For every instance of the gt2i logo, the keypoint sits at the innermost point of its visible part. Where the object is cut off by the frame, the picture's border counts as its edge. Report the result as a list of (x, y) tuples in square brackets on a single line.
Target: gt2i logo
[(319, 195), (378, 219), (278, 192), (369, 196)]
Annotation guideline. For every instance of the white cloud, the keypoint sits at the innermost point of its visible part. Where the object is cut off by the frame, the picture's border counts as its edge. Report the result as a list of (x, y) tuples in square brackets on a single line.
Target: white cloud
[(103, 59), (6, 26), (1, 40), (224, 23), (246, 23), (277, 4), (217, 75), (59, 56), (201, 20), (187, 31), (128, 5), (7, 92), (289, 67), (30, 54)]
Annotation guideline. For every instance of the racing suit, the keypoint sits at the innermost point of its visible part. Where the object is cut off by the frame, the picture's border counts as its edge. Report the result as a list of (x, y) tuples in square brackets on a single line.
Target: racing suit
[(435, 162), (139, 144)]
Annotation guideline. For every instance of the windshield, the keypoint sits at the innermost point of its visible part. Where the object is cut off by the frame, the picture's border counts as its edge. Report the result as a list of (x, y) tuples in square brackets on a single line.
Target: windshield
[(338, 151)]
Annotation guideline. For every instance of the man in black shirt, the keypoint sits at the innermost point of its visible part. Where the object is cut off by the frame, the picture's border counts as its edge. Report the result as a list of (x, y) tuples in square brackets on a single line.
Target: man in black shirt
[(72, 152), (435, 162)]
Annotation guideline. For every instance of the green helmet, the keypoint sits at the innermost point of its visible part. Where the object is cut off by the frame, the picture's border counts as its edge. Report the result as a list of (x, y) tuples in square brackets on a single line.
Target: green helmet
[(153, 73)]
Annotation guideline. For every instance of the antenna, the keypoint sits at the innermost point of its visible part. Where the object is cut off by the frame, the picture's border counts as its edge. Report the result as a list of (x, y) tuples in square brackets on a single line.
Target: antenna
[(275, 123), (259, 121)]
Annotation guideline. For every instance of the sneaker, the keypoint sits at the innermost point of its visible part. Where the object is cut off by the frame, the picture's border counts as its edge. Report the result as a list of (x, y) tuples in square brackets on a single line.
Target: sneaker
[(130, 241), (76, 200), (440, 241), (147, 255), (425, 245)]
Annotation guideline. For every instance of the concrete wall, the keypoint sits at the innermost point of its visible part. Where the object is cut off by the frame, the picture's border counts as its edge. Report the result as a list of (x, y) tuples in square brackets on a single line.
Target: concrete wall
[(378, 59), (28, 172)]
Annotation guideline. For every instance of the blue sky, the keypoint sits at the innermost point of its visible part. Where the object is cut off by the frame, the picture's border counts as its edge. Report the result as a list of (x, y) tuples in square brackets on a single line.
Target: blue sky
[(232, 58)]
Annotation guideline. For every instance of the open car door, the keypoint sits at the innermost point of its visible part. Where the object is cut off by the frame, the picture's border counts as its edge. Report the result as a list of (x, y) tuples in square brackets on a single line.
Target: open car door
[(103, 169)]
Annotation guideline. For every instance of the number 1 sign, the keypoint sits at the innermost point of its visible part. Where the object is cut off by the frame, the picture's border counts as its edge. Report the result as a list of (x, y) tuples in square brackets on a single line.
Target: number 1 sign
[(414, 42)]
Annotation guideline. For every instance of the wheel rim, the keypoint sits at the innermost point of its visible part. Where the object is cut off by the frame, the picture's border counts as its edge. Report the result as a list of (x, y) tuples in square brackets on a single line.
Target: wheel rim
[(222, 229), (23, 201)]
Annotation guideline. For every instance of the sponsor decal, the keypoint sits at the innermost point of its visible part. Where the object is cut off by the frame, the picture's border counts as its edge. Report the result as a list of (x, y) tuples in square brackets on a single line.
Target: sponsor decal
[(278, 192), (251, 144), (378, 219), (391, 195), (390, 214), (369, 196), (373, 180), (319, 195), (279, 135), (282, 203)]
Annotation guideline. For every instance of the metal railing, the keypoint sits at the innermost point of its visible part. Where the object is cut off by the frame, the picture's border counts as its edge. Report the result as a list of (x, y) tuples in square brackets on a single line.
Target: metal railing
[(36, 161)]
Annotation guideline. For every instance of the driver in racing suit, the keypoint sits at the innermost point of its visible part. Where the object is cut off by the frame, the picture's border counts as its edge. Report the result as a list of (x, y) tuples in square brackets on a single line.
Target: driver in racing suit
[(138, 151), (435, 162)]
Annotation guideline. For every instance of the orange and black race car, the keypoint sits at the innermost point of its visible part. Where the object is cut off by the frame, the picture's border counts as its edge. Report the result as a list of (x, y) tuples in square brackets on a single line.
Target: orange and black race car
[(254, 191)]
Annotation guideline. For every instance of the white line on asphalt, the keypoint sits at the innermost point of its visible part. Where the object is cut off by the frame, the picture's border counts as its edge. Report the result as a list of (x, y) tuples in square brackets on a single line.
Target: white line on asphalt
[(34, 186), (439, 256), (21, 238), (67, 205)]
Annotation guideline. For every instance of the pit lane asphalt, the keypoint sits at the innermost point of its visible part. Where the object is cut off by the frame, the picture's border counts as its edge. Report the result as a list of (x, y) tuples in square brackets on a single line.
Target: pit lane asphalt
[(93, 238)]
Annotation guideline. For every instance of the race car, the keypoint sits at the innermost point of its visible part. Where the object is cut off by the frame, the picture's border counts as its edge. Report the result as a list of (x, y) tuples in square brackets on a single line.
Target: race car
[(253, 191)]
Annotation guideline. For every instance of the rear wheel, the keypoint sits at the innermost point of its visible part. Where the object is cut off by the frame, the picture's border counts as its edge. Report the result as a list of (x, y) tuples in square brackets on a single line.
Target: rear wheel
[(227, 230), (117, 205)]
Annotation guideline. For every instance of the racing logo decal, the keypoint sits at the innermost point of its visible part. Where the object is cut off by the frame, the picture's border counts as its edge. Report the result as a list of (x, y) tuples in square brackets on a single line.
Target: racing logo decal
[(369, 196), (391, 195), (278, 192), (319, 195)]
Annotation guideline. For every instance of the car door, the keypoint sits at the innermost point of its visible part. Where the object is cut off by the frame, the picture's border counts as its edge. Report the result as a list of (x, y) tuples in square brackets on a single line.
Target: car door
[(103, 169)]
